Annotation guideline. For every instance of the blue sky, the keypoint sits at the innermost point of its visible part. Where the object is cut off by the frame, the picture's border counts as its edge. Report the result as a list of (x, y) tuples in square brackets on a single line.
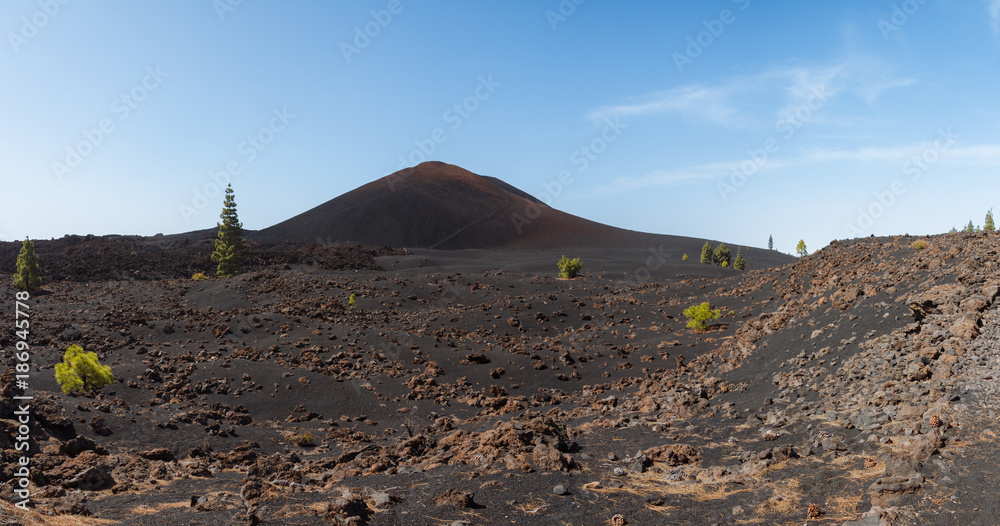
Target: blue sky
[(723, 119)]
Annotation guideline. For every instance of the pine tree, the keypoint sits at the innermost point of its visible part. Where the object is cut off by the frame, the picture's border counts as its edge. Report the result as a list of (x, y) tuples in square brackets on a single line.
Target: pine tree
[(953, 230), (722, 255), (989, 226), (969, 227), (740, 263), (229, 251), (770, 242), (706, 253), (28, 276), (801, 249)]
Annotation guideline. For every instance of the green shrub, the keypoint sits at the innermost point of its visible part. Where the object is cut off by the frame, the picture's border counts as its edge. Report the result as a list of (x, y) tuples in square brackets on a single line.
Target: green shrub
[(740, 263), (684, 257), (352, 302), (698, 314), (706, 253), (305, 440), (28, 276), (82, 371), (920, 244), (722, 255), (198, 276), (569, 268)]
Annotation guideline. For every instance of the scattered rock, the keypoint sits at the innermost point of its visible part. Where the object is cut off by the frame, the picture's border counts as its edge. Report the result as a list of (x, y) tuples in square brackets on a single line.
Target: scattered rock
[(99, 426), (162, 453), (456, 498)]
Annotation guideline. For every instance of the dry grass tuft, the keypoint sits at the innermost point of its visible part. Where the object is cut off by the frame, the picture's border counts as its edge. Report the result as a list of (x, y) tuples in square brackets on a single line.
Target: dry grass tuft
[(920, 244), (662, 510), (533, 506), (143, 509), (872, 467), (785, 499), (846, 507), (33, 517), (651, 483)]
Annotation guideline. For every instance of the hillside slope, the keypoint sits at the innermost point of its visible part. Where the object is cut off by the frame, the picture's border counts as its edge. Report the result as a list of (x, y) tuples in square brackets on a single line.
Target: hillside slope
[(437, 205)]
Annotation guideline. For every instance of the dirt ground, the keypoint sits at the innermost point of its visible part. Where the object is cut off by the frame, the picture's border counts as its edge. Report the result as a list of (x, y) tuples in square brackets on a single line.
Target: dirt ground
[(854, 386)]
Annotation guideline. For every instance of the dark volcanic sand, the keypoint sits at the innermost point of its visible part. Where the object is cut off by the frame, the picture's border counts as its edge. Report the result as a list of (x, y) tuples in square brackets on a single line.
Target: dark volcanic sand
[(467, 385)]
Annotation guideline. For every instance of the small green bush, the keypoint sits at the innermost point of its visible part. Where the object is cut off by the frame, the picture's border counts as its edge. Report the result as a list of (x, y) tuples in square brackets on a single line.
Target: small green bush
[(198, 276), (722, 256), (352, 302), (305, 440), (684, 257), (740, 263), (569, 268), (920, 244), (706, 253), (698, 314), (82, 371)]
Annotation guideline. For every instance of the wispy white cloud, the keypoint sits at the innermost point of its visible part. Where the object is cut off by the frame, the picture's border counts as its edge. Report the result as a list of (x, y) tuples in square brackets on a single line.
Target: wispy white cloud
[(979, 155), (739, 101), (707, 102), (704, 172), (984, 155), (993, 6)]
